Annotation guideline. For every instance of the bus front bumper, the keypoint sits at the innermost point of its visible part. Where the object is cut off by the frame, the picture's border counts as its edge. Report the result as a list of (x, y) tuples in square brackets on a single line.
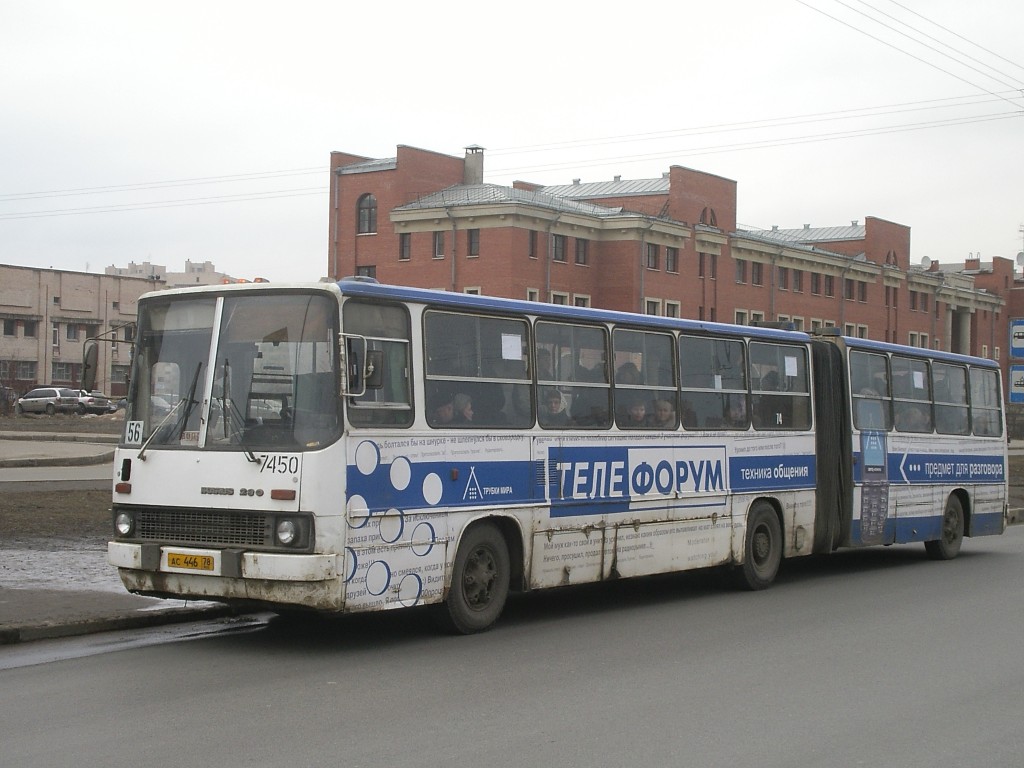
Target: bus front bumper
[(272, 566)]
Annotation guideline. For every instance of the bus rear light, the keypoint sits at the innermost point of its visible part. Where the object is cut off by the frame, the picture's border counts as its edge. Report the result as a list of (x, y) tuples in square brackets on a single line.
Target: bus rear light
[(123, 488), (283, 494)]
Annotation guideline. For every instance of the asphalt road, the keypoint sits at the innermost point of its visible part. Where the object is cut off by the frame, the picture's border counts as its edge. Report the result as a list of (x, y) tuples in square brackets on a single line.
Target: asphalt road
[(877, 658)]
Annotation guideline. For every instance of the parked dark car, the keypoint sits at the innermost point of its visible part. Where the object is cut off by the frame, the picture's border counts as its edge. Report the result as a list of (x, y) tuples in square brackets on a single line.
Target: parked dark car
[(93, 402), (49, 400)]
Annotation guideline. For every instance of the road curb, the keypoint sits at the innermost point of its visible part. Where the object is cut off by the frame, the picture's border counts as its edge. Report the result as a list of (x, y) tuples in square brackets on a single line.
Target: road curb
[(61, 437), (68, 461), (13, 635)]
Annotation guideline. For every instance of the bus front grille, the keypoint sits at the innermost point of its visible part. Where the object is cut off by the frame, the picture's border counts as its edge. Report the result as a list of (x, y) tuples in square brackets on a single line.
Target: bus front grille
[(204, 527)]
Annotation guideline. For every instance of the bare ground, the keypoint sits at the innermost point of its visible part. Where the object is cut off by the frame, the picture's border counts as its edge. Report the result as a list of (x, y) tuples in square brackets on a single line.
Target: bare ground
[(33, 518)]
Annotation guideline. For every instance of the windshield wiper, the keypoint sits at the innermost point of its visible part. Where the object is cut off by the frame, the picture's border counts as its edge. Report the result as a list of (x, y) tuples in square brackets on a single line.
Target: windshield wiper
[(184, 421), (190, 401)]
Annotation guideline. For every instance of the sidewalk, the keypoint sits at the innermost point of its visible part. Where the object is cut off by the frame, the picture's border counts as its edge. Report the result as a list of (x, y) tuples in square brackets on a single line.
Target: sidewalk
[(82, 605), (54, 449)]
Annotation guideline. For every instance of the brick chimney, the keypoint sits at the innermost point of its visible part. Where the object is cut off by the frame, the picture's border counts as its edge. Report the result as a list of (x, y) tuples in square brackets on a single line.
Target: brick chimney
[(473, 168)]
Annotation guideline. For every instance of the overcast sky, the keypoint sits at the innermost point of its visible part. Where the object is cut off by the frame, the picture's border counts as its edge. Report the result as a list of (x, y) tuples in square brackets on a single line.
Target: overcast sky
[(202, 130)]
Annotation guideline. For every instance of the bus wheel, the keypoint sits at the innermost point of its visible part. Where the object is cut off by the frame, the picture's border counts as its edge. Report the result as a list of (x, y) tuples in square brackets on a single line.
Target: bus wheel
[(948, 547), (763, 550), (480, 580)]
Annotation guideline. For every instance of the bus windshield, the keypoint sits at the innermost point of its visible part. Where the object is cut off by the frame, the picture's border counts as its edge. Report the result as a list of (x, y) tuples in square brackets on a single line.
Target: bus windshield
[(235, 372)]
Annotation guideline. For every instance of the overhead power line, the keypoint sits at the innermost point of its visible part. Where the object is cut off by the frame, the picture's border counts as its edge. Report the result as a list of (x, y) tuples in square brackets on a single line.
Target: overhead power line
[(188, 182), (273, 195), (926, 45), (956, 34), (901, 50), (750, 125), (1019, 82), (762, 144)]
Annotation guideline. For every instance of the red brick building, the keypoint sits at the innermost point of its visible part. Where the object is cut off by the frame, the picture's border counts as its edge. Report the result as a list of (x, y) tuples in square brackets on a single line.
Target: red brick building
[(668, 246)]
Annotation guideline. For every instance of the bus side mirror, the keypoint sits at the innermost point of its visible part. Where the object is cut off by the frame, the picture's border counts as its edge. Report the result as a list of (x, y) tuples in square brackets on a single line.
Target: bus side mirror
[(90, 356), (355, 380)]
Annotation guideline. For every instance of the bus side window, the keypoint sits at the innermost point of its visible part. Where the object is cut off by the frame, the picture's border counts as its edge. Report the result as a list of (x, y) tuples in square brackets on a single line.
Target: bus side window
[(713, 378), (481, 360), (870, 414), (384, 373), (578, 369)]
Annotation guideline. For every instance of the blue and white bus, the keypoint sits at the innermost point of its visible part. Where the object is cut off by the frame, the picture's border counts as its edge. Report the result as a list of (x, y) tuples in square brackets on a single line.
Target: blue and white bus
[(356, 447)]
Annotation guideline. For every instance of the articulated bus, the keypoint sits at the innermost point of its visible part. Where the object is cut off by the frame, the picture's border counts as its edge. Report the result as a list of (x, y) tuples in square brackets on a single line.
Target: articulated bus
[(353, 447)]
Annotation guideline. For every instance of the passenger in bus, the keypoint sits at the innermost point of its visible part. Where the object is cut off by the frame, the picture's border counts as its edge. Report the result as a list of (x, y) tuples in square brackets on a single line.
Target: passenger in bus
[(910, 418), (627, 373), (545, 371), (635, 416), (462, 405), (736, 412), (552, 410), (442, 410), (689, 415), (664, 416)]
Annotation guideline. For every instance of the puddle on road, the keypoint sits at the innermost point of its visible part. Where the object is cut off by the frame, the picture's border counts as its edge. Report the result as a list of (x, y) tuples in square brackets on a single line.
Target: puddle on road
[(71, 567)]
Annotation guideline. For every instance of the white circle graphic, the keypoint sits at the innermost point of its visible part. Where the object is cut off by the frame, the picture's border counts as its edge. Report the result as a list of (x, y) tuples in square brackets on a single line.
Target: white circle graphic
[(391, 526), (378, 577), (423, 539), (358, 511), (409, 589), (367, 457), (401, 473), (432, 488)]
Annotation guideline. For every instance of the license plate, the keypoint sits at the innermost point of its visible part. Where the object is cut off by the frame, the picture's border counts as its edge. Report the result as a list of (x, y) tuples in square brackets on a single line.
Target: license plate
[(190, 562)]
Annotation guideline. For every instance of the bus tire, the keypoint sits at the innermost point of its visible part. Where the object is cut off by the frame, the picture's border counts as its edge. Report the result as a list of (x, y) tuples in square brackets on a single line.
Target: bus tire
[(480, 581), (762, 552), (948, 546)]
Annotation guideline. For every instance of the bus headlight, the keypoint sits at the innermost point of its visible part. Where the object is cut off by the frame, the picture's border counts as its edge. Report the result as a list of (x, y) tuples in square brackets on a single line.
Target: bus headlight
[(124, 524), (287, 532)]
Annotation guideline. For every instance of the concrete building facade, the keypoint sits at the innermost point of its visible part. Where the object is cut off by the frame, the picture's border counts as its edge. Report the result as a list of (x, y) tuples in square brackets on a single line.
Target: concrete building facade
[(666, 246), (47, 315), (204, 273)]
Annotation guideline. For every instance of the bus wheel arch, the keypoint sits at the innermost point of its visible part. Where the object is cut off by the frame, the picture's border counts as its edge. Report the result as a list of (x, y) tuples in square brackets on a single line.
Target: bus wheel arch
[(763, 546), (954, 526), (481, 576)]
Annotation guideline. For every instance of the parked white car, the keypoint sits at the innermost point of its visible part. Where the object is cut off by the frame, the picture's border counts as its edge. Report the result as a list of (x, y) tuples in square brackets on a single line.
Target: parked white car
[(92, 402), (49, 400)]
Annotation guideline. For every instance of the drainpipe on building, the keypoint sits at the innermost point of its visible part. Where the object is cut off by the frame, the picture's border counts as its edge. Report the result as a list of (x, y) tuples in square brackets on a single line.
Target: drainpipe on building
[(550, 256), (334, 230), (448, 213), (842, 298), (43, 333), (643, 269), (935, 306), (773, 286)]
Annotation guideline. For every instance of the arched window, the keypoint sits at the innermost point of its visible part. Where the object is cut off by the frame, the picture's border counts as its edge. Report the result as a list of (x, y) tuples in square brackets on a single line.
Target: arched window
[(708, 217), (367, 209)]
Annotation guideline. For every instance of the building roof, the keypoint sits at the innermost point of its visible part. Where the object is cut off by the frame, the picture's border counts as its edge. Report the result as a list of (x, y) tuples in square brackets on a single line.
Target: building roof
[(369, 166), (809, 234), (614, 188), (768, 236), (489, 194)]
